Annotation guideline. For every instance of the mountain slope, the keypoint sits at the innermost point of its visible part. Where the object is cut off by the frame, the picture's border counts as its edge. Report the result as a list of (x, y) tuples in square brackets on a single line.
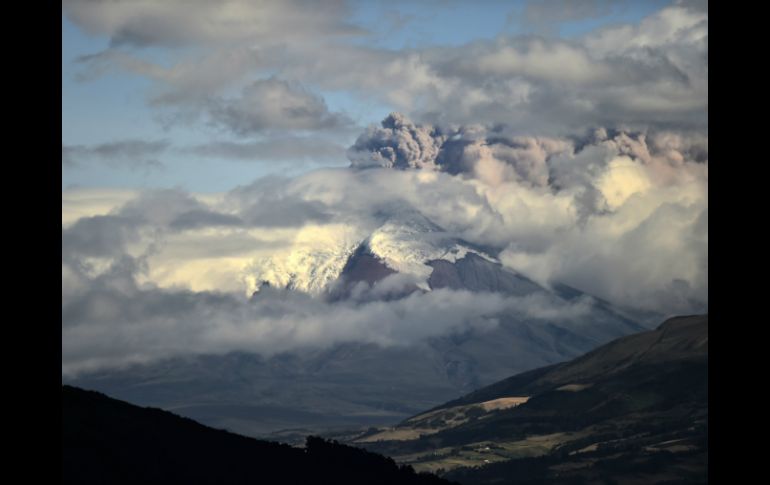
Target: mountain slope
[(405, 241), (631, 411), (678, 340), (110, 441)]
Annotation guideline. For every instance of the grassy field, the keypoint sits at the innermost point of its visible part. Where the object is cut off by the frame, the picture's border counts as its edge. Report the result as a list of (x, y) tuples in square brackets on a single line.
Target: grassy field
[(484, 452), (441, 419)]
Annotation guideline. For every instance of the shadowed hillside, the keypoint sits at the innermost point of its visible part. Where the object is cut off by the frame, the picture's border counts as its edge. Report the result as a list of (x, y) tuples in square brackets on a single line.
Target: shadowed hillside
[(109, 441), (631, 411)]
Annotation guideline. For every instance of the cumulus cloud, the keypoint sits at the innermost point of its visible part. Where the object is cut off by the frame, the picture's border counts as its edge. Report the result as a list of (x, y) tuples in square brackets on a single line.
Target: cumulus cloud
[(199, 89), (273, 104), (195, 242), (81, 202), (132, 154), (275, 202), (215, 48), (146, 217), (652, 73)]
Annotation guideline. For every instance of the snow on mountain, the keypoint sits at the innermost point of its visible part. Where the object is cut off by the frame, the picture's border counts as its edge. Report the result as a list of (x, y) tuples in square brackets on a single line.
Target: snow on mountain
[(406, 242), (312, 263)]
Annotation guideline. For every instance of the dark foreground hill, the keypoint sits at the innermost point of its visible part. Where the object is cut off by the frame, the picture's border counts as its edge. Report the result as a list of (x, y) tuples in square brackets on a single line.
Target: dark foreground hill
[(632, 411), (109, 441)]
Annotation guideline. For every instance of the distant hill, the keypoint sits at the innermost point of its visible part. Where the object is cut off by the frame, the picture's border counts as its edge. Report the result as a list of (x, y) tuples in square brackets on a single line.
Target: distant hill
[(107, 441), (631, 411)]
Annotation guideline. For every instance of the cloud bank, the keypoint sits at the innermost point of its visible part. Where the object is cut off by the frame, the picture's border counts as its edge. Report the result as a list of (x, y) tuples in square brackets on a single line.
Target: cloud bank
[(632, 76), (619, 215), (273, 104), (111, 322)]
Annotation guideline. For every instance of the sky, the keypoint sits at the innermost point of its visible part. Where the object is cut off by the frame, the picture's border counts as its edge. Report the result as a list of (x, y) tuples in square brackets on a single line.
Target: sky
[(108, 102), (208, 145)]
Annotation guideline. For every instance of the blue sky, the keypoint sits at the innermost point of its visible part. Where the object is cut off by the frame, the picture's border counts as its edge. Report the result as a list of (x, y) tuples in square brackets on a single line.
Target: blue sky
[(115, 105)]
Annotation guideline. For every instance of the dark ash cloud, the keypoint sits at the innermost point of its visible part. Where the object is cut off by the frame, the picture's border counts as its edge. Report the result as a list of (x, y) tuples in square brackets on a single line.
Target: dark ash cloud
[(397, 143)]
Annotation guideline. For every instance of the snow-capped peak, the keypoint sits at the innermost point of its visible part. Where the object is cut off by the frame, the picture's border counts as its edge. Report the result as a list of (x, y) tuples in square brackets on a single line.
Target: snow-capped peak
[(312, 263), (406, 242)]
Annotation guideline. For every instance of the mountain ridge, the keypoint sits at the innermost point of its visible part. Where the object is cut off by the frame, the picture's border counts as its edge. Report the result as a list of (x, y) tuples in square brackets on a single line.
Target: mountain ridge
[(634, 407)]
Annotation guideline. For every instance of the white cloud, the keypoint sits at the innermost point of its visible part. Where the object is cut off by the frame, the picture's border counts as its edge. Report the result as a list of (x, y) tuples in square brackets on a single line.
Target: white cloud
[(108, 323), (177, 23), (653, 73), (77, 203), (273, 104)]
